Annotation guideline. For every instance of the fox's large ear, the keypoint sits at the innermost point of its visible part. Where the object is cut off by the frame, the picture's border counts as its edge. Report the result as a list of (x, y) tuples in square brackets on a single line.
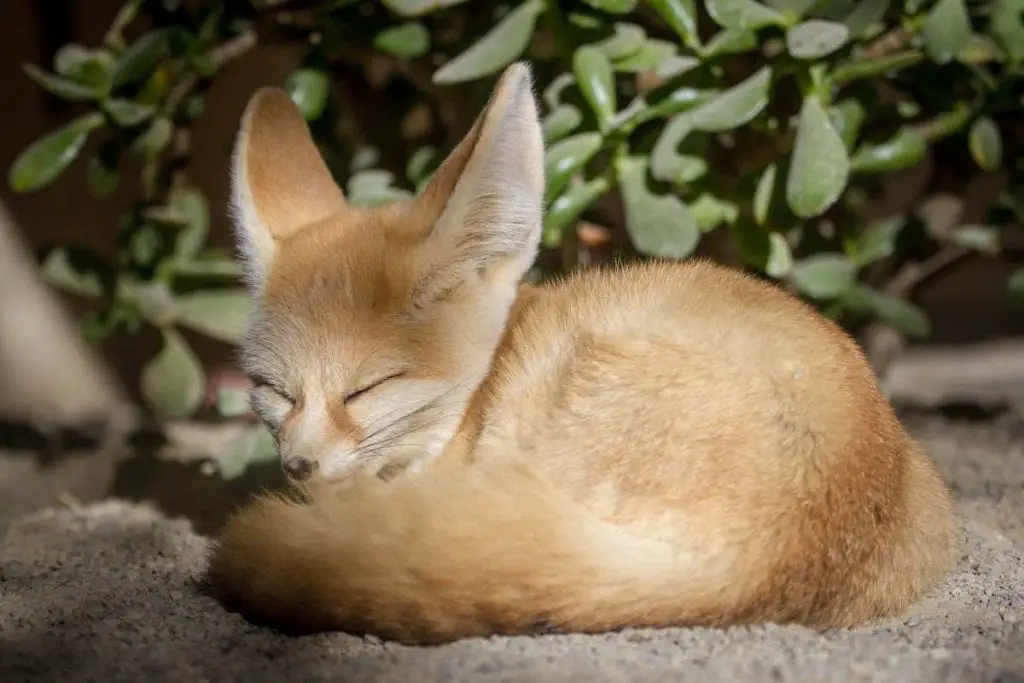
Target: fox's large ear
[(279, 181), (488, 195)]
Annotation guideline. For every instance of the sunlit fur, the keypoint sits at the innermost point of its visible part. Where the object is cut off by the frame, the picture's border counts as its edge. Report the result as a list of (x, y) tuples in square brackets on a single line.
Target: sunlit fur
[(651, 445)]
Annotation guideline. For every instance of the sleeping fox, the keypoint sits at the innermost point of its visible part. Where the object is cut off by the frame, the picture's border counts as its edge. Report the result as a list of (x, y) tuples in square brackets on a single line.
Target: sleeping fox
[(656, 444)]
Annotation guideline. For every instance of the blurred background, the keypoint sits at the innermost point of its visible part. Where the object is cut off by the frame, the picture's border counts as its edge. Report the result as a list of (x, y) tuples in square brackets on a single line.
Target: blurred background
[(864, 155)]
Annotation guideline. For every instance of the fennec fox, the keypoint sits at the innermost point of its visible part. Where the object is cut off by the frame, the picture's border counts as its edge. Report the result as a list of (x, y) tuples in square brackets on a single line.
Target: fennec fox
[(658, 444)]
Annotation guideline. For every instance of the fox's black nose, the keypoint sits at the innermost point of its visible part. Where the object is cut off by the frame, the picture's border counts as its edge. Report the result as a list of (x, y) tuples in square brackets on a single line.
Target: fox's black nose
[(299, 469)]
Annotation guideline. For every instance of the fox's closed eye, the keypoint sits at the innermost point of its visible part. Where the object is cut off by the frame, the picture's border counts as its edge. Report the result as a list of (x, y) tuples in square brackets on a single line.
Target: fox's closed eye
[(353, 395)]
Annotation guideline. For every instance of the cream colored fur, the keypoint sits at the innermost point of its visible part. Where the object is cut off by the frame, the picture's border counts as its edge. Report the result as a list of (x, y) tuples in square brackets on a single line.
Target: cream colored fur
[(658, 444)]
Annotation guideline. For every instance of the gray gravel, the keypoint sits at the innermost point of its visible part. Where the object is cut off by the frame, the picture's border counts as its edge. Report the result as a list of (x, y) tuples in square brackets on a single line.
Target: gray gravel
[(107, 592)]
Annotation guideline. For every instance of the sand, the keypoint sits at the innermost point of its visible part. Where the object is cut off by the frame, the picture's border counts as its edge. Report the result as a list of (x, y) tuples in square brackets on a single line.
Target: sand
[(108, 592)]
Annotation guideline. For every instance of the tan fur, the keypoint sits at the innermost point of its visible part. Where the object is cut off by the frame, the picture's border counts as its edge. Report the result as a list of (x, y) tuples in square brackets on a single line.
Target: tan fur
[(658, 444)]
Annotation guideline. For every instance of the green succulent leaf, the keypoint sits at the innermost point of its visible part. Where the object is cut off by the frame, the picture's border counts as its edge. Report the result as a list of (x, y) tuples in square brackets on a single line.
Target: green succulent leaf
[(651, 55), (736, 106), (126, 113), (743, 14), (62, 87), (498, 48), (986, 144), (220, 314), (140, 59), (981, 238), (667, 164), (308, 89), (815, 38), (946, 30), (173, 382), (46, 158), (681, 16), (864, 15), (613, 6), (625, 42), (411, 39), (562, 120), (418, 8), (565, 158), (824, 276), (902, 315), (877, 242), (593, 74), (820, 167), (904, 149), (568, 207), (659, 226)]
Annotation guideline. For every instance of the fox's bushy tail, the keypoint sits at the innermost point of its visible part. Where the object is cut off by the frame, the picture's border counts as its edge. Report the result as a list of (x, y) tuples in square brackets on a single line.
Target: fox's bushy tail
[(452, 553)]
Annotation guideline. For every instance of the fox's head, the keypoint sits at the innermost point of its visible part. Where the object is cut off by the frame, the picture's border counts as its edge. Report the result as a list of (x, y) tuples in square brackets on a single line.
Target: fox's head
[(374, 325)]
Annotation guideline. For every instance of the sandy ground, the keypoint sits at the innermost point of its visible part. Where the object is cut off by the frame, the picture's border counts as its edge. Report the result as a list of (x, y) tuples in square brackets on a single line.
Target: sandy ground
[(108, 592)]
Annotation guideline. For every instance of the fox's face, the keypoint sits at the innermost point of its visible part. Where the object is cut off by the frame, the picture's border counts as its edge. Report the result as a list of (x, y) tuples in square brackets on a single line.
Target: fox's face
[(374, 326)]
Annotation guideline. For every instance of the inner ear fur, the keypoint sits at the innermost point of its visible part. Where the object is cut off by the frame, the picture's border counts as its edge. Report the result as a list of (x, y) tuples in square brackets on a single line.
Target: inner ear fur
[(485, 201), (280, 182)]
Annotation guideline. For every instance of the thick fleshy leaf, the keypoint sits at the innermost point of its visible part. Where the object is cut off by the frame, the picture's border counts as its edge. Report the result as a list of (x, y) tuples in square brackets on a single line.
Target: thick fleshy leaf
[(191, 204), (84, 66), (730, 42), (824, 276), (814, 39), (651, 55), (155, 138), (411, 39), (667, 163), (710, 211), (902, 315), (736, 106), (743, 14), (563, 119), (254, 446), (594, 77), (983, 238), (865, 14), (903, 150), (847, 117), (681, 16), (46, 158), (59, 270), (764, 192), (139, 60), (980, 49), (820, 167), (127, 113), (946, 30), (421, 164), (871, 68), (498, 48), (627, 39), (613, 6), (986, 144), (1006, 26), (567, 208), (417, 8), (218, 313), (373, 186), (780, 257), (62, 87), (174, 383), (232, 402), (658, 226), (877, 242), (567, 157), (675, 102), (309, 88), (792, 8)]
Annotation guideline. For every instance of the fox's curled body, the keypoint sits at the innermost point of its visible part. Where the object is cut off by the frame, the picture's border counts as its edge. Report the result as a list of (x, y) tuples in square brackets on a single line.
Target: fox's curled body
[(651, 445)]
